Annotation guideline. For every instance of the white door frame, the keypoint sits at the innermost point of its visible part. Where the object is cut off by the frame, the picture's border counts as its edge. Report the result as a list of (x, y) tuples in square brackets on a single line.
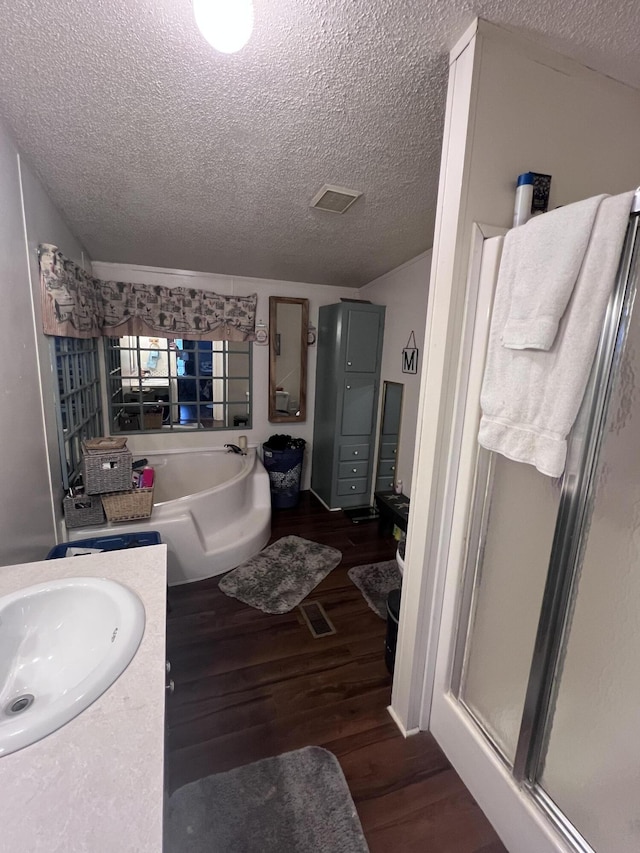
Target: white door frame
[(428, 537), (420, 604)]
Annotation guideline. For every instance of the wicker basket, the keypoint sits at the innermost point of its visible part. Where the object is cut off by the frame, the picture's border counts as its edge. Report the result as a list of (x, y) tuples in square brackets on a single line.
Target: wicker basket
[(128, 506), (83, 511), (106, 472), (103, 444)]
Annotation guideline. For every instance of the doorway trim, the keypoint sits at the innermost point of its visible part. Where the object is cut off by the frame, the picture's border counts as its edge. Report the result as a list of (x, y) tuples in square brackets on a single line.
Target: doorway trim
[(435, 474)]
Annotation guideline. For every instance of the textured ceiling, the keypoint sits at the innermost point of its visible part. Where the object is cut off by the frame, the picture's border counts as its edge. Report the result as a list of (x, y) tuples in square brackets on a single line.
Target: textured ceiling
[(160, 151)]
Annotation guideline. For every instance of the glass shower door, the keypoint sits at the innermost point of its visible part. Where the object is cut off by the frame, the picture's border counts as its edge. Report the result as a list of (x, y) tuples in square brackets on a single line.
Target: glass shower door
[(497, 555), (590, 769), (510, 568), (537, 692)]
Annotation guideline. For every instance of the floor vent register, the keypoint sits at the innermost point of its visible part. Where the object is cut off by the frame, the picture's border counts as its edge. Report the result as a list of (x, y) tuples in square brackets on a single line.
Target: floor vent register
[(316, 619)]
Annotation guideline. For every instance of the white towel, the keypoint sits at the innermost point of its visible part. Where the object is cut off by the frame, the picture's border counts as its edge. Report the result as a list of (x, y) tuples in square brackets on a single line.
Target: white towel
[(543, 259), (530, 398)]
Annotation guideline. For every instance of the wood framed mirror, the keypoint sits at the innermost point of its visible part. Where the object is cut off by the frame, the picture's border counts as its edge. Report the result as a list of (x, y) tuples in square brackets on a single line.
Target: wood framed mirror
[(288, 329)]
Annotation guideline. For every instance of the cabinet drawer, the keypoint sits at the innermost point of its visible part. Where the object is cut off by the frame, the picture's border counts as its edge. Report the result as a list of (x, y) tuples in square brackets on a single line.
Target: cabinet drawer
[(388, 450), (352, 487), (387, 468), (353, 451), (353, 469), (384, 484)]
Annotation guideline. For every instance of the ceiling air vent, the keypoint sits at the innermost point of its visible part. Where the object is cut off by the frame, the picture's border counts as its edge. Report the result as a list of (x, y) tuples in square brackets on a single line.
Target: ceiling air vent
[(334, 199)]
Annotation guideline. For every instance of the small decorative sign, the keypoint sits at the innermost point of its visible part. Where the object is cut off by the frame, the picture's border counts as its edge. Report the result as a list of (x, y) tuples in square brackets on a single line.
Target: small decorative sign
[(262, 334), (410, 356)]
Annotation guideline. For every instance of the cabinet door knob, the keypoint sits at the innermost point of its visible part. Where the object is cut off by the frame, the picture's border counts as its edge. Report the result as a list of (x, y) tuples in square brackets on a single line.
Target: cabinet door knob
[(348, 387), (393, 467), (353, 488), (355, 452), (348, 364), (355, 470), (171, 686)]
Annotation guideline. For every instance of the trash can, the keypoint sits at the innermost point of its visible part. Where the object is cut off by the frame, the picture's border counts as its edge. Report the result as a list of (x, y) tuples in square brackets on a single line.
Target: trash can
[(393, 616), (106, 543), (282, 456)]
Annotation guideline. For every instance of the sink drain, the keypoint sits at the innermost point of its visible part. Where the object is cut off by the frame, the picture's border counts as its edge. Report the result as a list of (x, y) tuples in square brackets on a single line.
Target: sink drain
[(17, 706)]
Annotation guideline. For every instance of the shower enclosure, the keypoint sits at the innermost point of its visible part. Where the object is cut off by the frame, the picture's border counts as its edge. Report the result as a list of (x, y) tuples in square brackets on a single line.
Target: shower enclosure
[(537, 697)]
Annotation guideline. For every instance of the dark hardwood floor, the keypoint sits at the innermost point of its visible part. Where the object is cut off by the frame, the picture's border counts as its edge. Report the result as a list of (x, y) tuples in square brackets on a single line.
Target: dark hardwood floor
[(250, 685)]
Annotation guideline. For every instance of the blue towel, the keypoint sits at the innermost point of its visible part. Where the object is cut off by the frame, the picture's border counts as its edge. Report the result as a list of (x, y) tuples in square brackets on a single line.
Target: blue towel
[(152, 359)]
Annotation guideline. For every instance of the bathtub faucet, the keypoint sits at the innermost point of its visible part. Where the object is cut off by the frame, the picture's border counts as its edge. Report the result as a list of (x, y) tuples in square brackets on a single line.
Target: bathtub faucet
[(233, 448)]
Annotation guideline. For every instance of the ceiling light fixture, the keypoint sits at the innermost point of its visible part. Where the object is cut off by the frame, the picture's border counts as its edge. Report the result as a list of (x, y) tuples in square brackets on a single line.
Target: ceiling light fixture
[(226, 24)]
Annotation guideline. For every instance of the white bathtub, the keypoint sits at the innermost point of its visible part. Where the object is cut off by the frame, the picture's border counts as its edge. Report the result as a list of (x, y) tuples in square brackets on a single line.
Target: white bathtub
[(212, 508)]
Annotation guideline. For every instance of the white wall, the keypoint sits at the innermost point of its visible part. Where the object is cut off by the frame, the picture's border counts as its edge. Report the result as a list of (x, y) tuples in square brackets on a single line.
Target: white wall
[(27, 512), (512, 107), (316, 294), (404, 291), (44, 224)]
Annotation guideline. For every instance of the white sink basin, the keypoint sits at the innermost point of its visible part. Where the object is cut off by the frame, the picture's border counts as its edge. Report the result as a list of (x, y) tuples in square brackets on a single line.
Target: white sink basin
[(62, 644)]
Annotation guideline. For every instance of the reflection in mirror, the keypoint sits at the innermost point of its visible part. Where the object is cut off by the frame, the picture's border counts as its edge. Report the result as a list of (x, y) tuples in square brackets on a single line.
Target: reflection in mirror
[(161, 384), (386, 473), (288, 323)]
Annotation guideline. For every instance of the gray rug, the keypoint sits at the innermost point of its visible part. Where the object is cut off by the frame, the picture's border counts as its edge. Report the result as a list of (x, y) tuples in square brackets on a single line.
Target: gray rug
[(278, 578), (298, 802), (375, 581)]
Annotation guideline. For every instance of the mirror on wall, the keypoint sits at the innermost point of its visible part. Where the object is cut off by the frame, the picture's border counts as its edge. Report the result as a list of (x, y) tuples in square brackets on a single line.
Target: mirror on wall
[(288, 325), (386, 473)]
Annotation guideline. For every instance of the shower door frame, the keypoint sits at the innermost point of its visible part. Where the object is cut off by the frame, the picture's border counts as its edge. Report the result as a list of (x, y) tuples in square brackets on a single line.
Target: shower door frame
[(519, 809), (513, 814), (573, 520)]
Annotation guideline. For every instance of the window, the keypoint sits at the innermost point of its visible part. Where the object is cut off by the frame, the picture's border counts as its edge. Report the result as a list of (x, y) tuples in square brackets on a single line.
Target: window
[(78, 400), (162, 385)]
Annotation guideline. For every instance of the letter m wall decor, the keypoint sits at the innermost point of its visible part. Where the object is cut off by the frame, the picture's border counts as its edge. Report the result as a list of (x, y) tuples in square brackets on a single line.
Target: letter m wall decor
[(410, 356)]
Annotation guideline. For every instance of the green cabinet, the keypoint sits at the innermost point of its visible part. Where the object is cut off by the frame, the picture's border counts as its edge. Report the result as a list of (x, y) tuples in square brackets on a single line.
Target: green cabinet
[(347, 386)]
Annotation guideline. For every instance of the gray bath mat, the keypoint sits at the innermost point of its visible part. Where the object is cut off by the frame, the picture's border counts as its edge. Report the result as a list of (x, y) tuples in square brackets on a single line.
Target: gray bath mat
[(375, 581), (278, 578), (298, 802)]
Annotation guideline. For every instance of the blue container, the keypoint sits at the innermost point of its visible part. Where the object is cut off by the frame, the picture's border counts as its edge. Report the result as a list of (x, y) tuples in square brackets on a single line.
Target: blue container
[(284, 468), (118, 542)]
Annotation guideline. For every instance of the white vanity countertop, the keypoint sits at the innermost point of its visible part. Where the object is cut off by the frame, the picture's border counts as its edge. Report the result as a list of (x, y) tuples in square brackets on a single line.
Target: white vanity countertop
[(97, 784)]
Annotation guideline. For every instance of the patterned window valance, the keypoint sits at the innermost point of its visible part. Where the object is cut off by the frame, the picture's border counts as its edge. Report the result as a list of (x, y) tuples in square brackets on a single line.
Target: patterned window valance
[(77, 305)]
